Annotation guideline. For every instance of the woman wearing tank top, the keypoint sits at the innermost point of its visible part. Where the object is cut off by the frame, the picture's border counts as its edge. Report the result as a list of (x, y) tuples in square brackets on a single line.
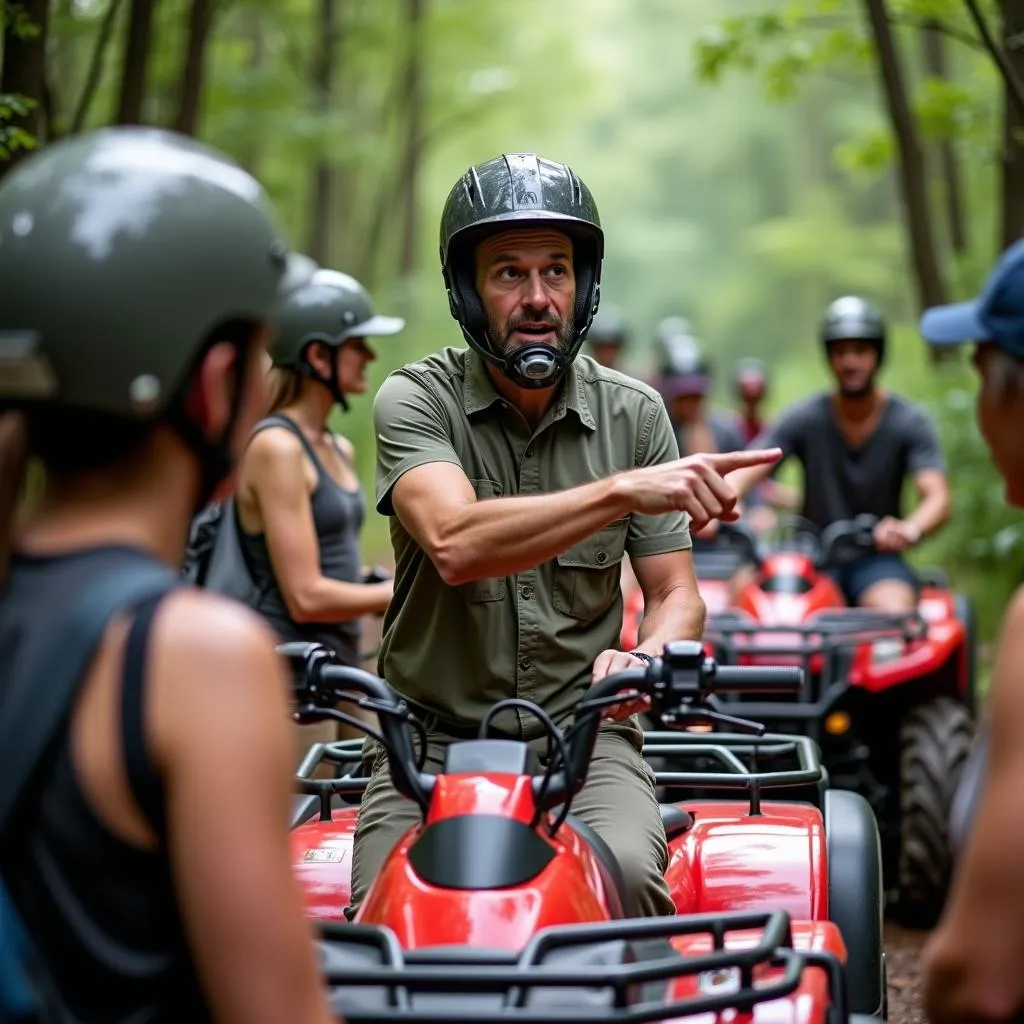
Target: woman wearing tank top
[(300, 507), (136, 336)]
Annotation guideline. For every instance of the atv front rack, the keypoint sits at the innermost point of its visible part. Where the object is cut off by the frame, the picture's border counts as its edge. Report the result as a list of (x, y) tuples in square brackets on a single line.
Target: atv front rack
[(728, 761), (347, 784), (611, 971)]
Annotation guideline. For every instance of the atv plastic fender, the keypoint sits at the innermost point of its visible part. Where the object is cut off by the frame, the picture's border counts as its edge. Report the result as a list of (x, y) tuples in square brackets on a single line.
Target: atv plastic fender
[(855, 894)]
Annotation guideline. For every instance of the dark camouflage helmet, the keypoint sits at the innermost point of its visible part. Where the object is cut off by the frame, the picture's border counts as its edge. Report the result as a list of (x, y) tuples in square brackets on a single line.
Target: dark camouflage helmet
[(121, 252), (852, 318), (520, 190)]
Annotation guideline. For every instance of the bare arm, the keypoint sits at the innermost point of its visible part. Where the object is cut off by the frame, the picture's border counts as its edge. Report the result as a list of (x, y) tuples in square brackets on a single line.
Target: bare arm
[(673, 607), (973, 961), (219, 723), (935, 506), (277, 467), (469, 539)]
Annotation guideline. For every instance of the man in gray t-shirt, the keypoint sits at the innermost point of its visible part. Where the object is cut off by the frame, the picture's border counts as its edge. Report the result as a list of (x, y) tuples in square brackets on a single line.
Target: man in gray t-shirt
[(857, 445)]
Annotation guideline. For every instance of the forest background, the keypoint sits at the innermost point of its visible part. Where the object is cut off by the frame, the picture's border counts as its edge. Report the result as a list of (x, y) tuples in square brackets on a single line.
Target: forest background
[(751, 159)]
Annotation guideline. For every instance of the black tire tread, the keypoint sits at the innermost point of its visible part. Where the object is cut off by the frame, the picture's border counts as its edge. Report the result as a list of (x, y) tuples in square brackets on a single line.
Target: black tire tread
[(935, 739)]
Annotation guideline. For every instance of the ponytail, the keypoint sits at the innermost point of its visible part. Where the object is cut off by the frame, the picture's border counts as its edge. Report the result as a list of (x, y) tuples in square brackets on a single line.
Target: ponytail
[(13, 464)]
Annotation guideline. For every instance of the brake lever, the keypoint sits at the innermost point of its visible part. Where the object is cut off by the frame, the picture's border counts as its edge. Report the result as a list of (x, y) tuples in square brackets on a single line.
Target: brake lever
[(705, 716)]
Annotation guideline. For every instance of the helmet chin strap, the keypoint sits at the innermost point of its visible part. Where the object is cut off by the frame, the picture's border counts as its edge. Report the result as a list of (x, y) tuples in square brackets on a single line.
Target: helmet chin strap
[(535, 366), (330, 382)]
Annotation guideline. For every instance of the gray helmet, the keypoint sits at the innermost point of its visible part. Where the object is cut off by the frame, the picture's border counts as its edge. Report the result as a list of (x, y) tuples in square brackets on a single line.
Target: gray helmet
[(520, 190), (609, 327), (330, 308), (852, 318), (120, 252), (672, 327), (684, 367), (750, 374)]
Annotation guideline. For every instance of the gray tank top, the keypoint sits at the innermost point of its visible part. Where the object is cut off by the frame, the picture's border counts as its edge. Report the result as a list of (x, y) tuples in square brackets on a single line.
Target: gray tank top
[(337, 517)]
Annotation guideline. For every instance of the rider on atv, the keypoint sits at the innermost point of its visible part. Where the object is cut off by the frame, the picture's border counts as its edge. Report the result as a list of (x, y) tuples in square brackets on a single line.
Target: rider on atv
[(501, 469), (857, 444), (973, 961), (750, 382), (607, 337)]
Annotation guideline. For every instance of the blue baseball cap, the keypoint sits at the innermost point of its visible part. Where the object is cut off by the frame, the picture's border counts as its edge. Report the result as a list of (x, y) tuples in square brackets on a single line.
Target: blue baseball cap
[(997, 314)]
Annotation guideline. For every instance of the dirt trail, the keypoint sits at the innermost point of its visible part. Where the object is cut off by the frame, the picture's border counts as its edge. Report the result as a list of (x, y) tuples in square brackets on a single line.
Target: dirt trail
[(903, 951)]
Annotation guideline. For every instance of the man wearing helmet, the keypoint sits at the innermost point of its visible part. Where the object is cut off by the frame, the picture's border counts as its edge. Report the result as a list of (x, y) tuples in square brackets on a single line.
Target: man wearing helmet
[(517, 477), (684, 380), (750, 381), (858, 444), (607, 337)]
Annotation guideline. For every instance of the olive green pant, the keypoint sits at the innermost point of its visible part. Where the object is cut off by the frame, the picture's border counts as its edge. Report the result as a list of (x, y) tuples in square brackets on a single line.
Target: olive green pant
[(617, 801)]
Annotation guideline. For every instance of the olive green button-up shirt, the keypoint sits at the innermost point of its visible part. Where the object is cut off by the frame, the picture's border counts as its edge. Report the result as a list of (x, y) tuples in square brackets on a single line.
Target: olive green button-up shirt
[(458, 649)]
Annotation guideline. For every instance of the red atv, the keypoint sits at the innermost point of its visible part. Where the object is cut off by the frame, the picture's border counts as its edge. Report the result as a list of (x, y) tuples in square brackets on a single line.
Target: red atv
[(889, 698), (500, 863)]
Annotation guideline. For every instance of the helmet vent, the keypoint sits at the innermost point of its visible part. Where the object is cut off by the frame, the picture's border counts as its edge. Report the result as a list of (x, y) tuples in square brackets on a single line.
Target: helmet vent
[(144, 392)]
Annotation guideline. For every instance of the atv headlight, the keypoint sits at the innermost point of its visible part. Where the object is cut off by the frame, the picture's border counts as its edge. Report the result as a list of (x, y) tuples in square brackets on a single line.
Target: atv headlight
[(886, 650)]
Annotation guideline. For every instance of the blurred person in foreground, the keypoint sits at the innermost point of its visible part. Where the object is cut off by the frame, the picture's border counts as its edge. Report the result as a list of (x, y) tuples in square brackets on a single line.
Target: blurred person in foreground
[(516, 474), (972, 962), (140, 273), (857, 444)]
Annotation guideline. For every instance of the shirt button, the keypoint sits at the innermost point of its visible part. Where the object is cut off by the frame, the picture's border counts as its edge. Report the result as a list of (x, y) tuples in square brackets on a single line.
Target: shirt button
[(602, 557), (529, 451), (527, 593), (524, 663)]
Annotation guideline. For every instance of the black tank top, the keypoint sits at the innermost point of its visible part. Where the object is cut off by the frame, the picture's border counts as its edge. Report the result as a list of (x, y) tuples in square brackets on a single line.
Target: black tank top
[(101, 914), (337, 517)]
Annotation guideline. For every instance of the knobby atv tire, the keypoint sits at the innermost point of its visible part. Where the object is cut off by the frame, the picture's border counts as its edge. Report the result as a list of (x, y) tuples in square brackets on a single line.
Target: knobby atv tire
[(935, 739)]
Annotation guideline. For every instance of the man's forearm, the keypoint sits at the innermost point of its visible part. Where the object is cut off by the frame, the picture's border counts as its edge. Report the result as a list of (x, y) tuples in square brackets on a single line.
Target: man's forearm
[(504, 536), (742, 480), (931, 513), (677, 615)]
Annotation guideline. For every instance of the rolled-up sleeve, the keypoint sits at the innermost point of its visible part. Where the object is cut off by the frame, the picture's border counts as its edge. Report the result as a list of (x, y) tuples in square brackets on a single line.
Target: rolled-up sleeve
[(411, 428), (670, 531)]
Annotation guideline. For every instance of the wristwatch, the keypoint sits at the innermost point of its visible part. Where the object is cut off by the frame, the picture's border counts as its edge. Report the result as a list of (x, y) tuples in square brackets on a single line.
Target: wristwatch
[(642, 656)]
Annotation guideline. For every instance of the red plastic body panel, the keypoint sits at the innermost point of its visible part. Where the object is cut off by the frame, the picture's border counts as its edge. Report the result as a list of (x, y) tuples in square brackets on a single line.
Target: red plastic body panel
[(322, 860), (729, 860), (807, 1005)]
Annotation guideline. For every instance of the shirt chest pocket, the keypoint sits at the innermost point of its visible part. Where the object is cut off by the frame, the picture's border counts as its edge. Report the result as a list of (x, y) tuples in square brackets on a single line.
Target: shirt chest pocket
[(493, 588), (586, 577)]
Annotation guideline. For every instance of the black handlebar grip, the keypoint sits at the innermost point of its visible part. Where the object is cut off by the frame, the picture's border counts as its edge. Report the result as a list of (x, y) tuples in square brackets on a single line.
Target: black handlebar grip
[(755, 679)]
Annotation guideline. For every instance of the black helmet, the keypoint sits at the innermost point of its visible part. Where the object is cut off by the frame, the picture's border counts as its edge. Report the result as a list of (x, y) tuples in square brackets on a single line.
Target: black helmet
[(750, 374), (121, 252), (330, 308), (684, 367), (854, 319), (609, 327), (520, 190)]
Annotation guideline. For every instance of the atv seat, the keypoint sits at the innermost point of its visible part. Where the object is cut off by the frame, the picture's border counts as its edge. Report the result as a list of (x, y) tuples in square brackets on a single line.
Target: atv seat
[(676, 820)]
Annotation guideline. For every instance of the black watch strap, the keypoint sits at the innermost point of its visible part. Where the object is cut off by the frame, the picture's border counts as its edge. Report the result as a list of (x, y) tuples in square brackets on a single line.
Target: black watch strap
[(643, 656)]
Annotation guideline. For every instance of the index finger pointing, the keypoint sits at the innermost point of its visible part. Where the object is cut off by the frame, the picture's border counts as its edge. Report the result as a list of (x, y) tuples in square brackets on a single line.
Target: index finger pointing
[(726, 462)]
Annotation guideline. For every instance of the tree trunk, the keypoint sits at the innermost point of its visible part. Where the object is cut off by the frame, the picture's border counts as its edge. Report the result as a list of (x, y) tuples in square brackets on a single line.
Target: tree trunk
[(931, 289), (323, 81), (415, 11), (248, 154), (1012, 216), (136, 60), (95, 72), (933, 46), (190, 85), (24, 72)]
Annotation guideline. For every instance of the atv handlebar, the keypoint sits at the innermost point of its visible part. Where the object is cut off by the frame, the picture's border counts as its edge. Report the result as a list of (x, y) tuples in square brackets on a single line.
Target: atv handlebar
[(681, 685)]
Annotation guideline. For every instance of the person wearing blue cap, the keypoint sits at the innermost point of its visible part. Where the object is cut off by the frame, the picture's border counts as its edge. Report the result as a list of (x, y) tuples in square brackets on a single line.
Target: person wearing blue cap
[(857, 444), (972, 964)]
